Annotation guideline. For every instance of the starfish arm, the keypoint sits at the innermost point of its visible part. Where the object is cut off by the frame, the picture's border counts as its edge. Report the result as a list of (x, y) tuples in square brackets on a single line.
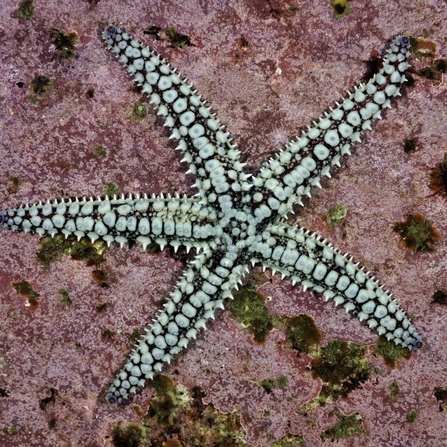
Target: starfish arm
[(313, 262), (175, 221), (201, 290), (303, 162), (207, 148)]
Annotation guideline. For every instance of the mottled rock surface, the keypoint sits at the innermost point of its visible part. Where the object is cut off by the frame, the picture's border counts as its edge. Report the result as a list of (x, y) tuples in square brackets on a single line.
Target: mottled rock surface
[(268, 68)]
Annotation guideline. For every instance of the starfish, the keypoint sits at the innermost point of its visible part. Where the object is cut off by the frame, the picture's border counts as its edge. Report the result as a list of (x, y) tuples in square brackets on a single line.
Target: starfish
[(235, 219)]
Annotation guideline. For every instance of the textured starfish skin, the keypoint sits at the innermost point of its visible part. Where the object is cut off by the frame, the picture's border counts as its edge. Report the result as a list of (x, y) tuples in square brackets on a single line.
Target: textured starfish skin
[(235, 219)]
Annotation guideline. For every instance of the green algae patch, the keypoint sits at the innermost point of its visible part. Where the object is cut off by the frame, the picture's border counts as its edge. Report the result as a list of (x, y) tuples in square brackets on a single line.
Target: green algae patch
[(139, 111), (411, 416), (153, 247), (128, 435), (342, 367), (10, 430), (346, 427), (65, 298), (303, 334), (51, 249), (100, 151), (394, 390), (269, 384), (39, 86), (248, 308), (167, 399), (102, 308), (417, 232), (107, 333), (64, 43), (135, 336), (111, 189), (176, 39), (391, 352), (434, 71), (26, 9), (337, 215), (25, 289), (177, 416), (289, 441)]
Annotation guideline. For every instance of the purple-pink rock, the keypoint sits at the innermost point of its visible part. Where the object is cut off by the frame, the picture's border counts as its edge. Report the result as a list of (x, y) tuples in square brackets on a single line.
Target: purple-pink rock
[(299, 60)]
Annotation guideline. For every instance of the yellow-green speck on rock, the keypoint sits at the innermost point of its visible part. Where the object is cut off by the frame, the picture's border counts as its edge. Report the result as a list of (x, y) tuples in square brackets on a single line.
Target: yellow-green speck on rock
[(337, 215), (139, 111), (100, 151)]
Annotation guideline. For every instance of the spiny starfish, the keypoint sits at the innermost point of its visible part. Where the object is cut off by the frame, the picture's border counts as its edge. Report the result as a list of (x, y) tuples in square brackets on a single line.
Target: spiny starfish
[(234, 218)]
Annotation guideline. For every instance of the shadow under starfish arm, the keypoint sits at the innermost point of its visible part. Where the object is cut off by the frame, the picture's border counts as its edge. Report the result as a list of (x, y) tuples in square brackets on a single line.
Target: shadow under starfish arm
[(235, 219)]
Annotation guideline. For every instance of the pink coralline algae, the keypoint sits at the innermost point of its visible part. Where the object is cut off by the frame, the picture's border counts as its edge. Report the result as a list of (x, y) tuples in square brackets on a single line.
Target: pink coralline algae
[(291, 64)]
